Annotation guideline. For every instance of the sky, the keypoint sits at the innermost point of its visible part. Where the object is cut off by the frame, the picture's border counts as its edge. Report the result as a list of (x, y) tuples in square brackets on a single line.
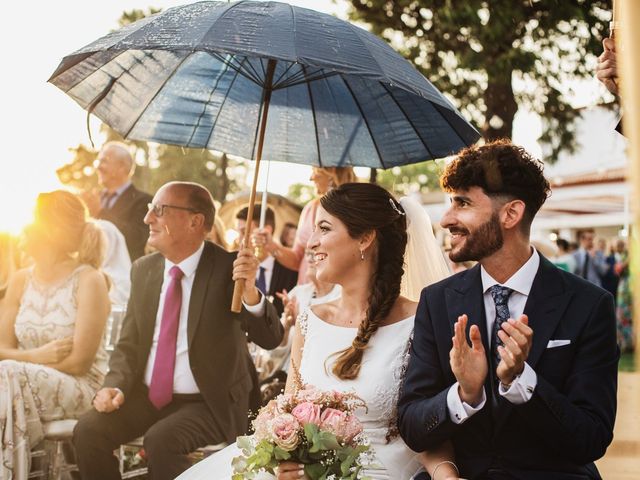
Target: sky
[(39, 123)]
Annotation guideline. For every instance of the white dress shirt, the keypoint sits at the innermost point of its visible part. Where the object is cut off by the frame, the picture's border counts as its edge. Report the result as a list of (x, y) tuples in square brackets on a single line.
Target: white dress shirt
[(523, 385)]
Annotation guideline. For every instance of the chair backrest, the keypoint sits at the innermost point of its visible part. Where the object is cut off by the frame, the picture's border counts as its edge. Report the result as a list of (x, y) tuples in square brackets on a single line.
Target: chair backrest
[(113, 327)]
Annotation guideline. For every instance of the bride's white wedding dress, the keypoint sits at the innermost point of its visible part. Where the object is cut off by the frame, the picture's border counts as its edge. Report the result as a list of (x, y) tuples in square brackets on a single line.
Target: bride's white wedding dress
[(377, 384)]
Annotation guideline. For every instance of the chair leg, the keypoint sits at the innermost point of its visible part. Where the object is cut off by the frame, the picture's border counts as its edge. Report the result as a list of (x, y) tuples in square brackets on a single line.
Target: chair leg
[(55, 472)]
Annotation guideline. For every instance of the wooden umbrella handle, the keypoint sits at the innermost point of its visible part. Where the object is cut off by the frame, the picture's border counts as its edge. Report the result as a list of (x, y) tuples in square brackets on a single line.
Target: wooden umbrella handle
[(238, 289)]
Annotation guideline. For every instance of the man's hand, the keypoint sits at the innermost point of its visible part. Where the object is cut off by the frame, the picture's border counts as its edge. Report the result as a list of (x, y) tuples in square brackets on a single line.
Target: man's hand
[(262, 238), (245, 268), (468, 363), (517, 337), (108, 399), (607, 69)]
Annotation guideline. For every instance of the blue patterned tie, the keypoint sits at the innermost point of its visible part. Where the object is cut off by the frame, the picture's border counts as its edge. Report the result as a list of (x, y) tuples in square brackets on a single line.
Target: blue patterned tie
[(261, 283), (500, 296)]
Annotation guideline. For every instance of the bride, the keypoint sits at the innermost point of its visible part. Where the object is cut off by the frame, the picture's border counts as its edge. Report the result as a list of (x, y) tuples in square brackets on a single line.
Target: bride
[(360, 341)]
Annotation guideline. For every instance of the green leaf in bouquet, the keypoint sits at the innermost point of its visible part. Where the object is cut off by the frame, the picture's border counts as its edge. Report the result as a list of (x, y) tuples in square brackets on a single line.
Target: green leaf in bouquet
[(310, 431), (324, 441), (245, 444), (261, 457), (316, 471), (281, 454)]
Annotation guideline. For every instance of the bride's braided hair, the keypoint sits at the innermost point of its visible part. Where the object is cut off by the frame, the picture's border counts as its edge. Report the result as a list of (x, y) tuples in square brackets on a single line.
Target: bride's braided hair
[(364, 207)]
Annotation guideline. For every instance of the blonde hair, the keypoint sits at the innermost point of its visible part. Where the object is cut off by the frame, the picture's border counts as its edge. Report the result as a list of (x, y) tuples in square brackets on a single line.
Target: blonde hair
[(338, 175), (62, 218)]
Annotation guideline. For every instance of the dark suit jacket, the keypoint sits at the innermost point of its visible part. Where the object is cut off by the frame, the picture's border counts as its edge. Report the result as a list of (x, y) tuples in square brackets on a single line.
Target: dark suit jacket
[(567, 424), (281, 278), (218, 354), (128, 214)]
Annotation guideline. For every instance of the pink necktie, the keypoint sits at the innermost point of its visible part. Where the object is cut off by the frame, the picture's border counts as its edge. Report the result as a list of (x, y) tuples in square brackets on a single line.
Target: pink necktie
[(161, 388)]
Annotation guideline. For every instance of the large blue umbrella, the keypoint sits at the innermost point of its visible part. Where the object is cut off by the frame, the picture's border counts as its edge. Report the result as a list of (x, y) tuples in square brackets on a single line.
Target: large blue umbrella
[(195, 76), (209, 74)]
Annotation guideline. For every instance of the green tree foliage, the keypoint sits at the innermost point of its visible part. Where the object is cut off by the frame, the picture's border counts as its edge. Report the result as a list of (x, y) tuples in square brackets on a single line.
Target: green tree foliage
[(493, 56), (423, 177), (158, 164)]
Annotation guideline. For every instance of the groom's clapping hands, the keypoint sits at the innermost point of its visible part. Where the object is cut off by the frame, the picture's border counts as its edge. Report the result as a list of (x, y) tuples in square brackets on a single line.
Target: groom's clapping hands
[(517, 336), (468, 363)]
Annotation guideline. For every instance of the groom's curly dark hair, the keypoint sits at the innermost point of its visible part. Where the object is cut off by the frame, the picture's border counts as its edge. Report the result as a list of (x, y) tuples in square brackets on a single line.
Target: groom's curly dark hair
[(501, 169)]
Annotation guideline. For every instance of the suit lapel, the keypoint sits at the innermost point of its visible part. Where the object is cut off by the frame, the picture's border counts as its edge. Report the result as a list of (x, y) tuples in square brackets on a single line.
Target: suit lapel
[(199, 290), (153, 287), (123, 200), (545, 306), (466, 298)]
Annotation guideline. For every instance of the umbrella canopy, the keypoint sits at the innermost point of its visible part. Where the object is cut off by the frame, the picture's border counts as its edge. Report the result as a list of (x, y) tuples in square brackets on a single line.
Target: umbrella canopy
[(196, 76)]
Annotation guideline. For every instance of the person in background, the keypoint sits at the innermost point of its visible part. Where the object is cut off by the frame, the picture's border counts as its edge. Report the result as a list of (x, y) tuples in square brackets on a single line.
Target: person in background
[(590, 263), (564, 259), (609, 279), (288, 235), (272, 277), (52, 359), (624, 300), (607, 71), (216, 234), (314, 292), (120, 202), (293, 258), (116, 264)]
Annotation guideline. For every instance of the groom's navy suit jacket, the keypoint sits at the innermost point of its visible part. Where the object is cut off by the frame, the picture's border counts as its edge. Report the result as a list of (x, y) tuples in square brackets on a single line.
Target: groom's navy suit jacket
[(567, 424)]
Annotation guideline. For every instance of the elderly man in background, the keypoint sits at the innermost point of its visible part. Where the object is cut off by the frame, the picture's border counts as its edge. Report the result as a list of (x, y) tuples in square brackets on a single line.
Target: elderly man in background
[(120, 202)]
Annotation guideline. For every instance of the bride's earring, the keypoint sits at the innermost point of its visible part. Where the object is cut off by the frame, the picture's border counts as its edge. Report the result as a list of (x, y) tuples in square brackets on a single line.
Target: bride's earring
[(361, 254)]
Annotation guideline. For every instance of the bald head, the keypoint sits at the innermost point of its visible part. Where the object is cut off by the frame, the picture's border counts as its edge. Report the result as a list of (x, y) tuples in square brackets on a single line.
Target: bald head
[(197, 197), (115, 165)]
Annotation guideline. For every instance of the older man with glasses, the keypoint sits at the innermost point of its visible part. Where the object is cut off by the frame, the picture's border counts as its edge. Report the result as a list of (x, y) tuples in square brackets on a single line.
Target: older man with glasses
[(181, 374)]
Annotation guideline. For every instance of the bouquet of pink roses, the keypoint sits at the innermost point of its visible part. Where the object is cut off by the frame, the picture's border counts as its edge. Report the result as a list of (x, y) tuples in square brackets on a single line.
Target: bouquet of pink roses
[(312, 427)]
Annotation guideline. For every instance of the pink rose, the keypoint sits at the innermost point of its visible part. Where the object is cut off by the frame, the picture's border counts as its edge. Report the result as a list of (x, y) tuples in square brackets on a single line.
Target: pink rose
[(309, 394), (333, 421), (352, 428), (284, 431), (307, 412)]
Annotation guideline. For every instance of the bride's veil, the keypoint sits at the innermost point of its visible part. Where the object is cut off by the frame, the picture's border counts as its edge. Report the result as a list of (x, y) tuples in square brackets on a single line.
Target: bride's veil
[(424, 262)]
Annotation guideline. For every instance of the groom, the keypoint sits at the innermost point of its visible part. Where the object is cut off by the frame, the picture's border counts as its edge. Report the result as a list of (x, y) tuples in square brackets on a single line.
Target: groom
[(534, 395)]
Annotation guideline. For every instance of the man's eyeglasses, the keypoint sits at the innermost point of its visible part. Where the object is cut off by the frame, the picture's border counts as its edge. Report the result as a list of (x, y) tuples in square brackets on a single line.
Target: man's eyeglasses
[(158, 210)]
